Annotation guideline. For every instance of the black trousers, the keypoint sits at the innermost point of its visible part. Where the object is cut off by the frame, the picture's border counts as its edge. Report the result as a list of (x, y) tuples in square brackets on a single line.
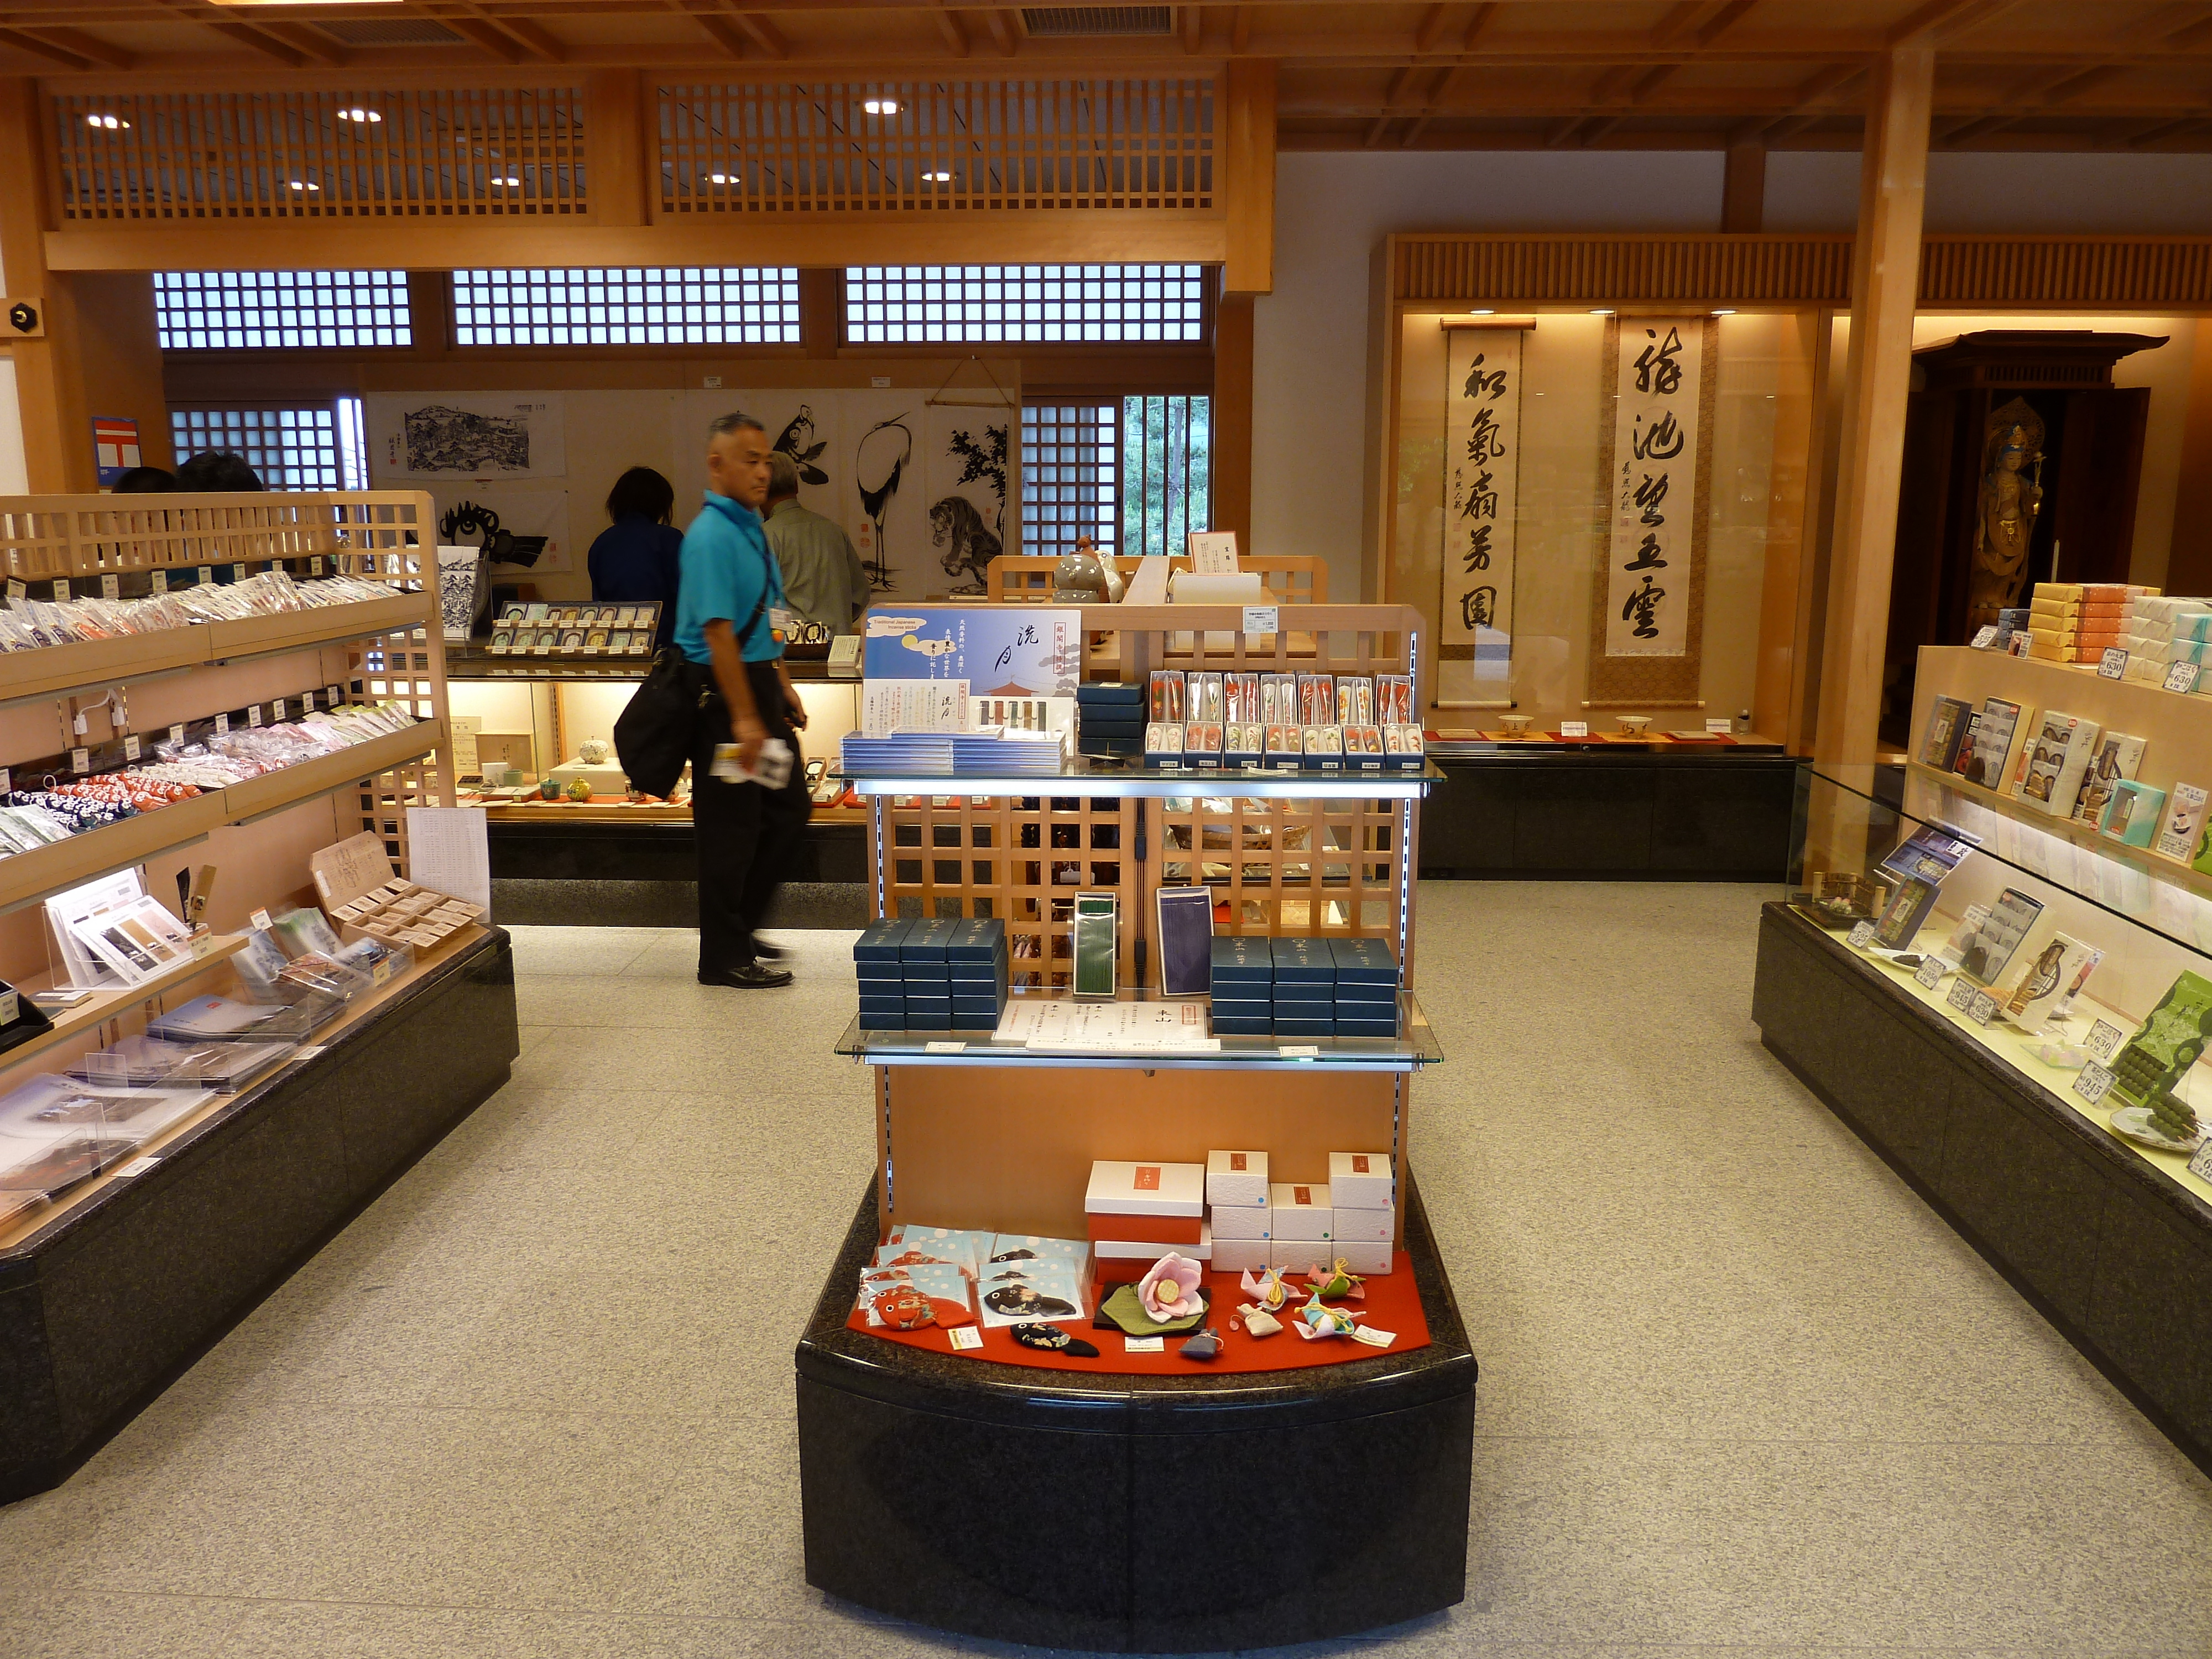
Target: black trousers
[(745, 833)]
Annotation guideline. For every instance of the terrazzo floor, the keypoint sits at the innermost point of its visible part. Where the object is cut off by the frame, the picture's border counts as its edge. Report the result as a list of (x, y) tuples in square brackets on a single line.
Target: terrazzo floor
[(1742, 1393)]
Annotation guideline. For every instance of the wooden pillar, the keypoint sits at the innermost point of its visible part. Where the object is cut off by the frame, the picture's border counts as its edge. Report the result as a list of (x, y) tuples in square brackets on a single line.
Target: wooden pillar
[(1885, 277), (2188, 567), (1246, 177), (822, 310), (1743, 187), (616, 105), (1231, 460)]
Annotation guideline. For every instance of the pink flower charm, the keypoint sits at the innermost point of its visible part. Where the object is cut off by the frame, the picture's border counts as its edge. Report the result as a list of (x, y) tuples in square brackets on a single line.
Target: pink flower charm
[(1169, 1290)]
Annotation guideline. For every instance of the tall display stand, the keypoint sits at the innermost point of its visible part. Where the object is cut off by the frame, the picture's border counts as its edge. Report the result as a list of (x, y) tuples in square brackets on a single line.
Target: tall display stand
[(1123, 1505), (113, 1280)]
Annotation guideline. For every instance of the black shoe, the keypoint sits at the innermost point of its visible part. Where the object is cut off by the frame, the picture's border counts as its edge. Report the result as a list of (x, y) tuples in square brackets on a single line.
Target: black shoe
[(764, 951), (748, 976)]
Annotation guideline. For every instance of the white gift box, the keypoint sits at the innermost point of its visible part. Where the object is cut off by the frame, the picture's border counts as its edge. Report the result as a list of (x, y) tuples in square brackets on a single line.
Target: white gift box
[(1145, 1189), (1366, 1258), (1301, 1211), (1149, 1250), (1236, 1178), (1297, 1255), (1239, 1255), (1242, 1220), (1362, 1226), (1362, 1181)]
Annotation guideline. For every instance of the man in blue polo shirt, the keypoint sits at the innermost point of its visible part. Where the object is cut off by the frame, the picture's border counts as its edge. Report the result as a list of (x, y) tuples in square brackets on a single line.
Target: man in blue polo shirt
[(730, 626)]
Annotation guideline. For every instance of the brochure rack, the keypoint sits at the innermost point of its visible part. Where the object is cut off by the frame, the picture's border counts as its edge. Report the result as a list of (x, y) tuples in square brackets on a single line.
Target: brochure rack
[(113, 1284), (934, 1482)]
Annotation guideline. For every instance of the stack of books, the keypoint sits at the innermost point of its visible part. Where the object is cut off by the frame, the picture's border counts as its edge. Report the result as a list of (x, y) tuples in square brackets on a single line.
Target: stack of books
[(1008, 751), (1110, 718), (899, 753)]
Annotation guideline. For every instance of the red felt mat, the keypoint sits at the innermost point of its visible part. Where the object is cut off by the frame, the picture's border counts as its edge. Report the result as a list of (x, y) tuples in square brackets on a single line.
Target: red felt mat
[(1393, 1303)]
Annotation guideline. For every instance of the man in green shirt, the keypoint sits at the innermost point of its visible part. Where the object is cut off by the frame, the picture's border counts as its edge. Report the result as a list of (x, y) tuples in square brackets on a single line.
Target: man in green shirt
[(823, 580)]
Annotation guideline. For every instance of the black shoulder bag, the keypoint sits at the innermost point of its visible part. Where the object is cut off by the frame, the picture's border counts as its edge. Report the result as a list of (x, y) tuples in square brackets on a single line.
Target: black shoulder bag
[(654, 734)]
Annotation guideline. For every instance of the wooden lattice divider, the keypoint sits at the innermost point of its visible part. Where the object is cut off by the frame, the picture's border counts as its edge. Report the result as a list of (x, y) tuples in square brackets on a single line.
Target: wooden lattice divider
[(1291, 578)]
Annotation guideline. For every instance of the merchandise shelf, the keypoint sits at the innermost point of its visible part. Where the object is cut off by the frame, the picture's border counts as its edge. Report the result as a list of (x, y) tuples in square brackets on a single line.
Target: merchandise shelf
[(297, 630), (320, 776), (209, 951), (1414, 1048)]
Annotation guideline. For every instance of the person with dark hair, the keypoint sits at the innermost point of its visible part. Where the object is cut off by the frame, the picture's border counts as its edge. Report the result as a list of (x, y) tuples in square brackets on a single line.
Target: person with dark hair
[(218, 471), (638, 557), (146, 481)]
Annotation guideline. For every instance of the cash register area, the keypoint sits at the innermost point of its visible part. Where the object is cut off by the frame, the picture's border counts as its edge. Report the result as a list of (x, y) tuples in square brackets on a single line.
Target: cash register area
[(1742, 1392)]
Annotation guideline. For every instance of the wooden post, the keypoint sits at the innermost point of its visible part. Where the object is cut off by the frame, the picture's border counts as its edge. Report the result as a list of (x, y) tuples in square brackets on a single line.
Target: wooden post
[(1246, 178), (1743, 187), (1885, 277), (2189, 569), (1231, 460), (616, 105)]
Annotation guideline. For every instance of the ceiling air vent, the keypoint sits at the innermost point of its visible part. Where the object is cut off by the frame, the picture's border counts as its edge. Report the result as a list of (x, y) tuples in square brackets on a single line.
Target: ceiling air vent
[(398, 32), (1043, 23)]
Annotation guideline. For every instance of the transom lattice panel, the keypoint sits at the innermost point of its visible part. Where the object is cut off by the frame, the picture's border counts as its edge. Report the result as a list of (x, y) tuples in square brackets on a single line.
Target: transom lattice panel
[(1133, 145), (1023, 860), (492, 152), (380, 533), (1327, 868)]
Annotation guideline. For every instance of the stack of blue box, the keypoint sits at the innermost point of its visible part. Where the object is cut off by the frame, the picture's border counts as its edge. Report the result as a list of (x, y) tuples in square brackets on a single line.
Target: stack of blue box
[(1366, 987), (927, 971), (1109, 717), (882, 981), (1243, 984), (976, 959), (1305, 988)]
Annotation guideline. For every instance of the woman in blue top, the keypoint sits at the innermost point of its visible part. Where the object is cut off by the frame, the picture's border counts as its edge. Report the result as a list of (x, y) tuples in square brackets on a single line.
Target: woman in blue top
[(638, 558)]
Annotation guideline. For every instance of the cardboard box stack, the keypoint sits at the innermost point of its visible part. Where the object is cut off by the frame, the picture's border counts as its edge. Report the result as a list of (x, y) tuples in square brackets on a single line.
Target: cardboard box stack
[(1137, 1212), (1241, 1214), (2157, 632), (2076, 621), (1366, 987), (882, 982), (1302, 1223), (1305, 988), (1110, 718), (1243, 984), (1363, 1209)]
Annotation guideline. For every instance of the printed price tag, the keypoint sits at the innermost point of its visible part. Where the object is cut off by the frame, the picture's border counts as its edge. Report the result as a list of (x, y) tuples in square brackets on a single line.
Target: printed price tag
[(203, 945), (204, 574), (16, 589), (7, 783), (80, 761), (11, 1007), (307, 703), (1144, 1345), (110, 588), (137, 1166), (160, 580), (2113, 665), (1260, 618), (541, 650), (1298, 1050), (943, 1048), (1983, 636), (2200, 1164), (1860, 936), (965, 1338), (276, 711), (176, 734), (1961, 997), (1574, 728), (331, 693), (253, 717), (131, 747), (1930, 974), (238, 573), (1984, 1008), (2103, 1039), (1372, 1337), (260, 920), (2092, 1083), (62, 590), (299, 1055), (315, 565), (222, 725), (381, 973), (2182, 677), (1721, 727)]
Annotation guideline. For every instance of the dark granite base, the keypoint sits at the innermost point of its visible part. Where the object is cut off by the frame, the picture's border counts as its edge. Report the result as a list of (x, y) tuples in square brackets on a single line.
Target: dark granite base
[(103, 1307), (2117, 1257), (1129, 1514), (1700, 815), (523, 903), (579, 874)]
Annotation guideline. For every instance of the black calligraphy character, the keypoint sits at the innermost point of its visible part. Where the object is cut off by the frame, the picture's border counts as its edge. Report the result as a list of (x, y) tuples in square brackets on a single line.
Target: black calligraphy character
[(1647, 556), (1655, 368), (1663, 442), (1649, 493), (1478, 607), (1481, 501), (1477, 382), (1484, 443), (1644, 605), (1478, 548)]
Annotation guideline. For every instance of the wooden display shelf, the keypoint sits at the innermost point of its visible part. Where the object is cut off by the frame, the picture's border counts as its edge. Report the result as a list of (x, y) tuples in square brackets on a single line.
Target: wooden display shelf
[(217, 948), (23, 1228), (294, 784), (27, 877), (297, 630)]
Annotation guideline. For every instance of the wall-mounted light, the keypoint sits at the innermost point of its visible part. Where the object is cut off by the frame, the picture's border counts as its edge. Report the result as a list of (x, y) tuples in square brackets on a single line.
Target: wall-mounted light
[(1601, 311), (938, 178), (1724, 311), (107, 122), (880, 105), (509, 180), (358, 113), (1482, 311), (722, 177)]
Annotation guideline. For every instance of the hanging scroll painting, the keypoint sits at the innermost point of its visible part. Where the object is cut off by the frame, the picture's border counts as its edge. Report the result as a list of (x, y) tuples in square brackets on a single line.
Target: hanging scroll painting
[(1482, 491), (1647, 618)]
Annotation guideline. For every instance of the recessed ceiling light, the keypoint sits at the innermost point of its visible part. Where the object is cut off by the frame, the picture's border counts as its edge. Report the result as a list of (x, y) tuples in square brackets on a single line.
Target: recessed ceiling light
[(938, 178), (1724, 311), (721, 178), (881, 105), (1601, 311), (107, 122), (357, 113)]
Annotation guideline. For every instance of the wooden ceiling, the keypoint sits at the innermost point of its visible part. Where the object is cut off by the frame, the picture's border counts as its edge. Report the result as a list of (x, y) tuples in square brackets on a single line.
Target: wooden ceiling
[(2060, 75)]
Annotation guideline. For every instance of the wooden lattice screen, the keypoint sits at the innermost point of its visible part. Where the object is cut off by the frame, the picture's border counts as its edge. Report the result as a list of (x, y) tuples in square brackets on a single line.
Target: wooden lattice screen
[(448, 153), (1127, 145), (1291, 578)]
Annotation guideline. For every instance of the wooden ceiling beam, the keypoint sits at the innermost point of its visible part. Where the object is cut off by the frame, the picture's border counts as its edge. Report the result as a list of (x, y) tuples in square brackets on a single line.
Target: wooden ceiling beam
[(1390, 96), (492, 38), (948, 25), (1002, 31), (85, 45), (1933, 22), (764, 36), (1240, 29), (1478, 25), (48, 51), (717, 28), (1431, 34), (1193, 28)]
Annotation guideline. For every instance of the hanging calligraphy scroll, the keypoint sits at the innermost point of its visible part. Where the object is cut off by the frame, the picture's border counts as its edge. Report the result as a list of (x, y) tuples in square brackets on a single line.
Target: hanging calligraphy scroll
[(1647, 620), (1482, 495)]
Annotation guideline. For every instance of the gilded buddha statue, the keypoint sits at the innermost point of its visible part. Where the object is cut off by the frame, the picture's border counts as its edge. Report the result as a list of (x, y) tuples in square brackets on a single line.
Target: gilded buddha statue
[(2004, 519)]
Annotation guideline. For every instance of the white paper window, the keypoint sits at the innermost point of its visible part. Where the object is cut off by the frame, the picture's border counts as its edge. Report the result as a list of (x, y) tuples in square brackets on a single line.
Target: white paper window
[(290, 447), (1133, 474), (1068, 466), (277, 310), (740, 305), (1077, 304)]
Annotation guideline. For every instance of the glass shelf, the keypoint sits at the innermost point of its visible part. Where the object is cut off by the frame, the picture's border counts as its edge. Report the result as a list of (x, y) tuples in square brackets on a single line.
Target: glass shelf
[(1108, 778), (1413, 1048)]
